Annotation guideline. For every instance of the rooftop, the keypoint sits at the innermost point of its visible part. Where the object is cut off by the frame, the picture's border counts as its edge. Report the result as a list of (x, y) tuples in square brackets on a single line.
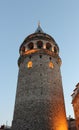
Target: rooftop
[(39, 29)]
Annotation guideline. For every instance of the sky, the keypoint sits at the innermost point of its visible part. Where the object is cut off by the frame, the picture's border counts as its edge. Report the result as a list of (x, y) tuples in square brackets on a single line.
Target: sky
[(18, 19)]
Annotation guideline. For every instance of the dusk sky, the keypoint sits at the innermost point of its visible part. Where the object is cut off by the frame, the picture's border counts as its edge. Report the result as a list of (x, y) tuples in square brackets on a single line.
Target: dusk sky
[(18, 19)]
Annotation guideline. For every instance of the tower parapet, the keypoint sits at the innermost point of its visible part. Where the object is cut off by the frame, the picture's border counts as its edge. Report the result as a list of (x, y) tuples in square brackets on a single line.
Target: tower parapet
[(39, 42)]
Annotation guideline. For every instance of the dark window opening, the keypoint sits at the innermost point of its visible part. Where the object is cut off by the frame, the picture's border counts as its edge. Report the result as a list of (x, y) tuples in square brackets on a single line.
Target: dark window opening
[(50, 58), (23, 49), (48, 46), (40, 56), (30, 45), (30, 56), (39, 44), (40, 64), (55, 49)]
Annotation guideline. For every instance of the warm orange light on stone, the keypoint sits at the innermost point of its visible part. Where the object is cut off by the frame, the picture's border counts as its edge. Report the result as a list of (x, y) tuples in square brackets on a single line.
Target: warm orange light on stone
[(51, 64), (60, 124), (29, 64), (30, 51), (62, 128), (52, 49), (44, 46)]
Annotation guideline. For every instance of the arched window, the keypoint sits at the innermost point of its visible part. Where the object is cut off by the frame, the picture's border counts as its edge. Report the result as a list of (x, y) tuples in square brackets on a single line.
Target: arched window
[(39, 44), (51, 65), (55, 49), (29, 64), (23, 49), (48, 46), (30, 45)]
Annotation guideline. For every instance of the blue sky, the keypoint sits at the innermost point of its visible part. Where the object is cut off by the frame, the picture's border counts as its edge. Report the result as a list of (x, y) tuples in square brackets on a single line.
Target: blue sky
[(18, 19)]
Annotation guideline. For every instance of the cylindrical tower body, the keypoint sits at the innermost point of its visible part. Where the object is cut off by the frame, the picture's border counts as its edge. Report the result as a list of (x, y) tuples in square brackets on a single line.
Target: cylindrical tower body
[(39, 101)]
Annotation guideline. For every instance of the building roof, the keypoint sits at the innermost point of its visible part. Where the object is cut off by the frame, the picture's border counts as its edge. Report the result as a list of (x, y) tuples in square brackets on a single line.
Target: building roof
[(39, 29), (39, 34)]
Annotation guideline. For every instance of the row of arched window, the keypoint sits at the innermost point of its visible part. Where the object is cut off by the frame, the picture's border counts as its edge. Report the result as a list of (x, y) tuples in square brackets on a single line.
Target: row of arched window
[(39, 45)]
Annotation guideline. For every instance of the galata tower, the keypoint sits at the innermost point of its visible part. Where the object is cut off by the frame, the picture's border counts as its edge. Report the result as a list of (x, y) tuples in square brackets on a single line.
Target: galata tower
[(39, 103)]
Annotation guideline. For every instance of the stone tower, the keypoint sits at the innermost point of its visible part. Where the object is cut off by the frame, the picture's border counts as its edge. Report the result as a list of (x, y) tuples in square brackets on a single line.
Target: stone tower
[(39, 101)]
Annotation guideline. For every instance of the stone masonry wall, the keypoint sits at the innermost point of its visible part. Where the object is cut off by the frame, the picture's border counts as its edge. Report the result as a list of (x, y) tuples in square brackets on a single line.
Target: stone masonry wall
[(39, 98)]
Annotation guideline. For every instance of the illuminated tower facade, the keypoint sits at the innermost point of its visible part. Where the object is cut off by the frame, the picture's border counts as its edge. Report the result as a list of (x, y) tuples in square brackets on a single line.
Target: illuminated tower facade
[(39, 101)]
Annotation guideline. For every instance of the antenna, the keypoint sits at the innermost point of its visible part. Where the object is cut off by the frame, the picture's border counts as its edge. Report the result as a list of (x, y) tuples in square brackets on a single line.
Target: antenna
[(38, 23)]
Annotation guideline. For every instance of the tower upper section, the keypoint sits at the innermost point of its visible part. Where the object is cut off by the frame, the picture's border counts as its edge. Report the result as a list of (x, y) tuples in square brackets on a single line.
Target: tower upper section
[(38, 42)]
